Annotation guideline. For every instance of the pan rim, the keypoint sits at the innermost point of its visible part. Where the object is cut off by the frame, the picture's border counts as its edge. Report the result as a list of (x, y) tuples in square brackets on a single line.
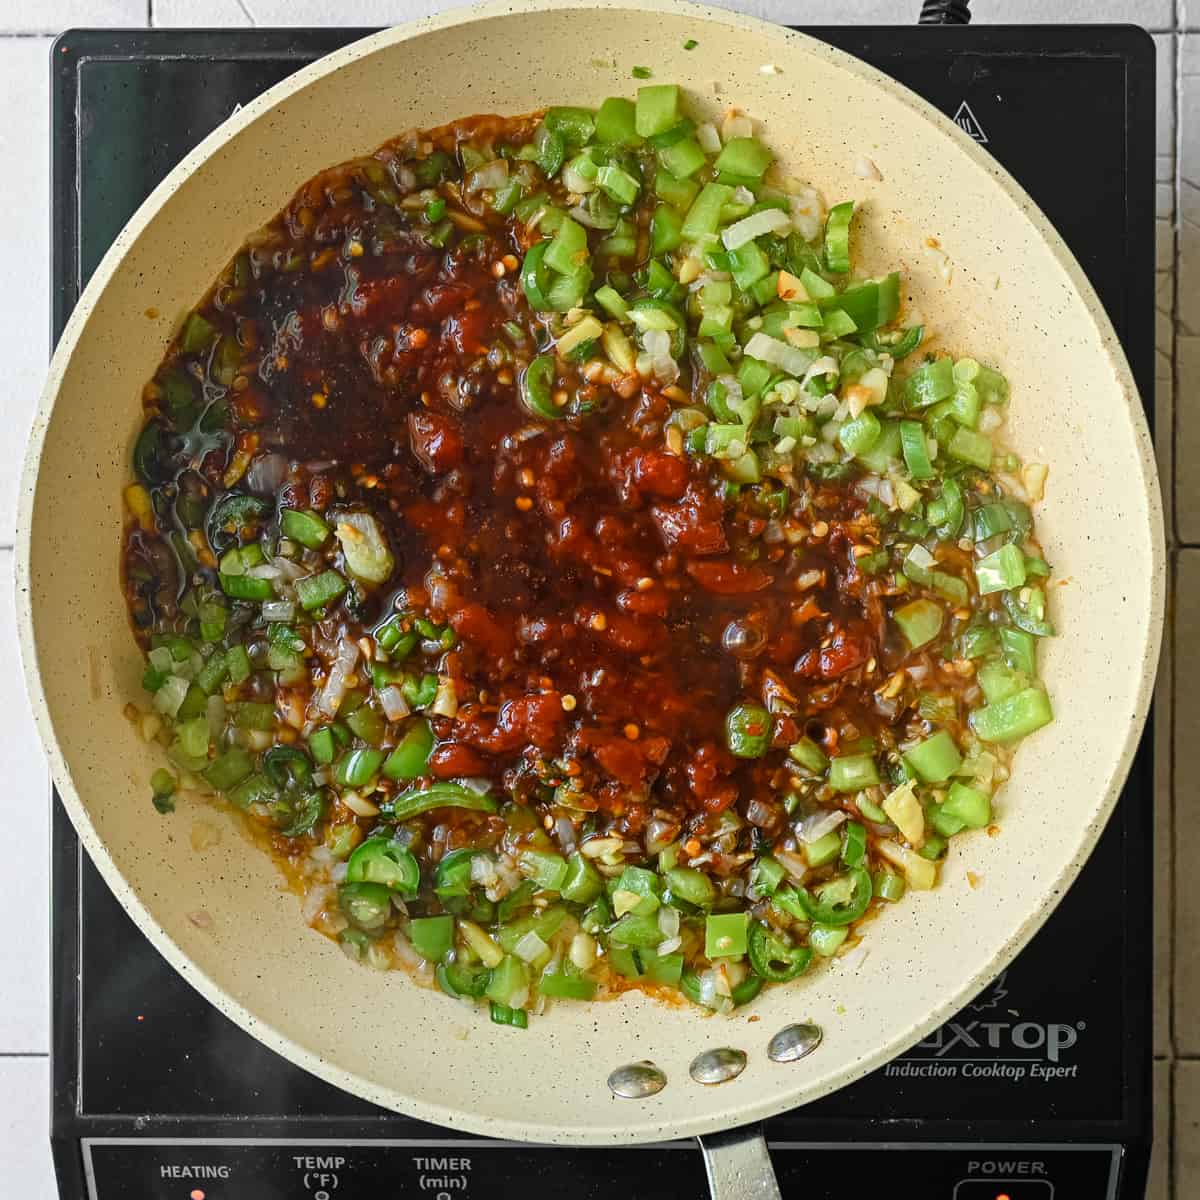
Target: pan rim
[(454, 1117)]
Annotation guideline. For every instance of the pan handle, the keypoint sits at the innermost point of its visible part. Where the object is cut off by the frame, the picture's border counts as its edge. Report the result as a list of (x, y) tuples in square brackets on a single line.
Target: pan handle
[(738, 1165)]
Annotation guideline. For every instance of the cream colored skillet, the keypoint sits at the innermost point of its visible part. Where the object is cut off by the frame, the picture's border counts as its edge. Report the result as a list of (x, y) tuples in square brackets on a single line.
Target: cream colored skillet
[(1013, 296)]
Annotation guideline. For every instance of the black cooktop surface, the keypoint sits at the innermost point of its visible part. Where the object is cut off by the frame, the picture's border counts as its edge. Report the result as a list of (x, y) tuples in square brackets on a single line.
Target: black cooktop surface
[(1037, 1089)]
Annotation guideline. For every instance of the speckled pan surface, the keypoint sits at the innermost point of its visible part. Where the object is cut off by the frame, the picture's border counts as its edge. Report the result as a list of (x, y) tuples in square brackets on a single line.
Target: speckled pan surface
[(1015, 297)]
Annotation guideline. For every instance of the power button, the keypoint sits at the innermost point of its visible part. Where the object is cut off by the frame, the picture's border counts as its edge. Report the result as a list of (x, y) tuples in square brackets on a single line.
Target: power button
[(1004, 1189)]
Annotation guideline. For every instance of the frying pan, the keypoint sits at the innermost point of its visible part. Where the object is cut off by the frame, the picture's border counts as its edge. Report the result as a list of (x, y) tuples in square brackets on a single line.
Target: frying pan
[(986, 271)]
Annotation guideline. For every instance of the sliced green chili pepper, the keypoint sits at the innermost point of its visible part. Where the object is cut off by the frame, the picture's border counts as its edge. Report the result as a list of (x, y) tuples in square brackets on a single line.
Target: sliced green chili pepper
[(197, 334), (535, 276), (453, 874), (357, 768), (307, 528), (457, 979), (854, 844), (287, 767), (920, 621), (1026, 608), (381, 860), (367, 905), (853, 772), (305, 813), (567, 987), (1011, 719), (537, 384), (432, 937), (837, 237), (748, 730), (411, 756), (725, 934), (841, 900), (550, 149), (946, 513), (437, 795), (502, 1014), (775, 959), (317, 591), (228, 769), (234, 516), (916, 452), (766, 875)]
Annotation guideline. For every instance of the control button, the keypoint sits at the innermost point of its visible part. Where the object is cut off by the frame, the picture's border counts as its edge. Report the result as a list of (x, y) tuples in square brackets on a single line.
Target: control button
[(1004, 1189)]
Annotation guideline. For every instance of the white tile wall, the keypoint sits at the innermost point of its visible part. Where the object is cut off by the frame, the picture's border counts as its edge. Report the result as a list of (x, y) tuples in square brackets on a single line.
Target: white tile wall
[(1152, 14), (53, 16), (24, 883), (25, 1170), (24, 1083), (24, 169)]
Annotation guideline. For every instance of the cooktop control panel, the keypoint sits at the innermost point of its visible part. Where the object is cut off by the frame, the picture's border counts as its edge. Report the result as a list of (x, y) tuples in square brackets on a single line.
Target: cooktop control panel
[(154, 1169)]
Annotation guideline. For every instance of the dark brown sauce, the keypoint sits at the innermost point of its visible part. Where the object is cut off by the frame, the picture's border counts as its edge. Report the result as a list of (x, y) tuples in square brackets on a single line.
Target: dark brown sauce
[(590, 573)]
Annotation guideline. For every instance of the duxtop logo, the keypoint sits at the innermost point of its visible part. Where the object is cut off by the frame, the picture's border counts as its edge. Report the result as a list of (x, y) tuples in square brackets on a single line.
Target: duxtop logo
[(988, 1040)]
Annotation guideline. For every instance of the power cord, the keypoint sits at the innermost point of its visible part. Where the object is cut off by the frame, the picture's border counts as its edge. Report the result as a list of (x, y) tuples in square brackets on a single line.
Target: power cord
[(945, 12)]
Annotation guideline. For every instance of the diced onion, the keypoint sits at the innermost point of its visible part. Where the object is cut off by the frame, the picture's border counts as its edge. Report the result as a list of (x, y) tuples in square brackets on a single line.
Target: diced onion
[(792, 863), (574, 182), (668, 921), (669, 946), (920, 873), (876, 382), (583, 951), (709, 138), (921, 558), (287, 570), (162, 660), (657, 342), (360, 806), (314, 901), (445, 703), (864, 168), (564, 832), (581, 214), (266, 473), (779, 354), (599, 847), (365, 546), (808, 212), (769, 220), (1034, 475), (170, 696), (826, 365), (391, 698), (816, 825), (334, 691), (659, 835), (483, 870), (736, 125), (530, 947), (278, 610), (492, 174), (905, 812)]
